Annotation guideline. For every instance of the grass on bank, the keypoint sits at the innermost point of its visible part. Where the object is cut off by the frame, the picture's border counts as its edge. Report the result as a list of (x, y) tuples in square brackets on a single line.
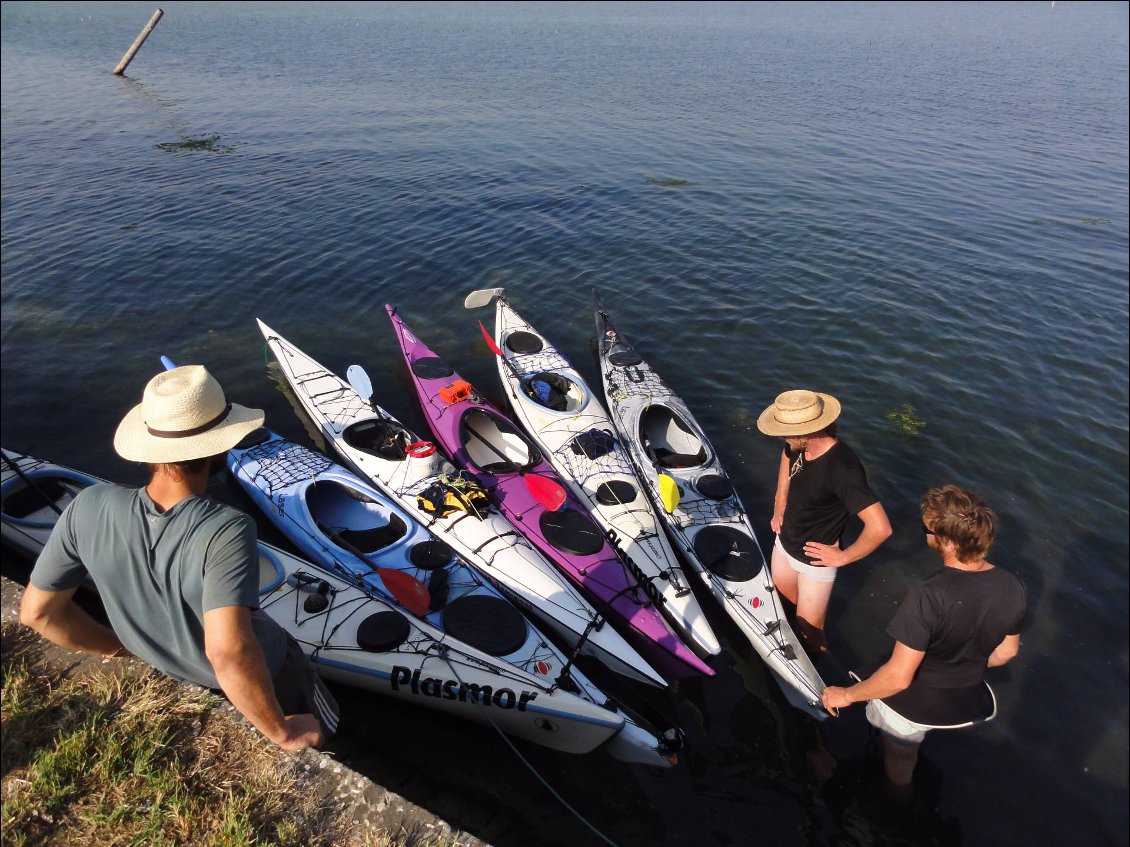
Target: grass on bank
[(137, 759)]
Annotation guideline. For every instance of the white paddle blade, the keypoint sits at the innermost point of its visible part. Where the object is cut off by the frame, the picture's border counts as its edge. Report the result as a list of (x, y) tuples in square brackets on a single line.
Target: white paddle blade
[(482, 297), (359, 381)]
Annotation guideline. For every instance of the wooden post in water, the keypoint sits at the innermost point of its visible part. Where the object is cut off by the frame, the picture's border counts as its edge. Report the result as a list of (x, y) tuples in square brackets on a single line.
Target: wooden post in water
[(137, 42)]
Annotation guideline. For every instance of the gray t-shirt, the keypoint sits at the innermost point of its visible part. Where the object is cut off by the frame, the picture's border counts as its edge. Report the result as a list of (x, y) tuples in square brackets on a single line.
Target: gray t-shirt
[(159, 572)]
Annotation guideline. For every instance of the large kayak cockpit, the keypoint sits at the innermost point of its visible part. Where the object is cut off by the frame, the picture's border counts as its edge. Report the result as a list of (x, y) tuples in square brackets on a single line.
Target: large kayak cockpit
[(493, 445), (669, 441)]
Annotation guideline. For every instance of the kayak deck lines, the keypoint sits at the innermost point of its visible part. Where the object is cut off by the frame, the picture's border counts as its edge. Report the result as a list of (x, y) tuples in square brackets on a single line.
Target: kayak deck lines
[(579, 549), (379, 448)]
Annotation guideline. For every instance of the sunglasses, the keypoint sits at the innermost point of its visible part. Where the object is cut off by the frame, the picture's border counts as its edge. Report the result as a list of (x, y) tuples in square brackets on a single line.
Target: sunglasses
[(926, 530)]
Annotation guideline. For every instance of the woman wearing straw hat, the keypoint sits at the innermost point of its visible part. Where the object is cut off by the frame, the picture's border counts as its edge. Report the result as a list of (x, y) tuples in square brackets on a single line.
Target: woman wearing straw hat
[(177, 572), (820, 485)]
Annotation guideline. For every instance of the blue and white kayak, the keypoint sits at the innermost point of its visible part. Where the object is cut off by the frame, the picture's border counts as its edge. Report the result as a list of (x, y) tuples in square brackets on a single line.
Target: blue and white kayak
[(360, 640), (704, 517), (381, 450)]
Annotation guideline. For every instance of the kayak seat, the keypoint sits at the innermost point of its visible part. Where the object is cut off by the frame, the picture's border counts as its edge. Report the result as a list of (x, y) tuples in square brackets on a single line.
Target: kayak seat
[(728, 552), (375, 538), (487, 623), (671, 459), (523, 342), (381, 438)]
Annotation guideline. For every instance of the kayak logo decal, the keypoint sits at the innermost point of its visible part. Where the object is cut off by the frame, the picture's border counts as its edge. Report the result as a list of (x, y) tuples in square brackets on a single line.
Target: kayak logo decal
[(453, 689), (542, 668), (547, 725), (643, 579)]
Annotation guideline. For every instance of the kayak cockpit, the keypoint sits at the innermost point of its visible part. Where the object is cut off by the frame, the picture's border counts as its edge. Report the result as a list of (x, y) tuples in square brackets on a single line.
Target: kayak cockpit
[(555, 392), (352, 518), (381, 438), (493, 445), (669, 441)]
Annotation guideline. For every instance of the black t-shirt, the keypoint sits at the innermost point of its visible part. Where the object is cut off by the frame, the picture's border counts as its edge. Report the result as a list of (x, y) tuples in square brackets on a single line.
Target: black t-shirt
[(957, 618), (823, 494)]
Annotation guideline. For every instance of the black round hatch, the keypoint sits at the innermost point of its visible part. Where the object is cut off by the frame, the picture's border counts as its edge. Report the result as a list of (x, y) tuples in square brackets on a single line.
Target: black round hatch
[(383, 631), (432, 367), (430, 554), (624, 357), (488, 623), (615, 492), (714, 486), (572, 532), (523, 342), (728, 552)]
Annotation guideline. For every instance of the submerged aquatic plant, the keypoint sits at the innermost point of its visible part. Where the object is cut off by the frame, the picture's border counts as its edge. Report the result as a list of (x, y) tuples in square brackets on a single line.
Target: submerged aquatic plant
[(906, 420), (209, 143)]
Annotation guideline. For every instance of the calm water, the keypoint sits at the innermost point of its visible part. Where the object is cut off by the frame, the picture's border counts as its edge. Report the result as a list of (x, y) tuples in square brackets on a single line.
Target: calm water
[(899, 204)]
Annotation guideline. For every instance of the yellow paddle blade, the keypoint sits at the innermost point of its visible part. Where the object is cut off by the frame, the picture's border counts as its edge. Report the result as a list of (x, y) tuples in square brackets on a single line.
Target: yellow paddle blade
[(668, 493)]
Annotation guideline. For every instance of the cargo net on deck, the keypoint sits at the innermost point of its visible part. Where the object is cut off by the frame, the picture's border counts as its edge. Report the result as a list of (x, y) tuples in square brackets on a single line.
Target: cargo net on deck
[(635, 381), (696, 511), (282, 464)]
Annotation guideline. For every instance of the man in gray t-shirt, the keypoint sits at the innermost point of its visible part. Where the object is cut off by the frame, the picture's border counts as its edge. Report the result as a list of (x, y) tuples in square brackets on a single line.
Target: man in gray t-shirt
[(177, 572)]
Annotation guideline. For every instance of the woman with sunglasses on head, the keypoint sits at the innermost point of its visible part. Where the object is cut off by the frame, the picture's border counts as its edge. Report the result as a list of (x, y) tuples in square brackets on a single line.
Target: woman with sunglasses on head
[(952, 625)]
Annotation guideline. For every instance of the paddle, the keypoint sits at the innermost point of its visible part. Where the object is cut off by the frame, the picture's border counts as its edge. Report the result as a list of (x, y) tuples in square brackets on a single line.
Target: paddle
[(668, 492), (547, 492), (409, 592), (498, 352), (358, 379), (27, 480), (482, 297), (405, 588)]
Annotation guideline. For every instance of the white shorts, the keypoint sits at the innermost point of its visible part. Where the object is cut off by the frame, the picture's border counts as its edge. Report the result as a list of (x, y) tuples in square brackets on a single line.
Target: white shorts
[(895, 726), (810, 571)]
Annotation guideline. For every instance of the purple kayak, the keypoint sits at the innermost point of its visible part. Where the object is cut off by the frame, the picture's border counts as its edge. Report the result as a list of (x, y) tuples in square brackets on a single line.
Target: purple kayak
[(527, 490)]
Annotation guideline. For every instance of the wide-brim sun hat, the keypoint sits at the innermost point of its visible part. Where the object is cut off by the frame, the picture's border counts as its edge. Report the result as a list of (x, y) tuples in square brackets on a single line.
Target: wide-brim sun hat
[(799, 412), (183, 415)]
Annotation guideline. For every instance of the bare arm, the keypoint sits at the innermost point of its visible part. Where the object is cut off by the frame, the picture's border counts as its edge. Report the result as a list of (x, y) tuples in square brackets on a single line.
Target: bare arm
[(237, 658), (55, 616), (876, 530), (782, 496), (1005, 652), (894, 676)]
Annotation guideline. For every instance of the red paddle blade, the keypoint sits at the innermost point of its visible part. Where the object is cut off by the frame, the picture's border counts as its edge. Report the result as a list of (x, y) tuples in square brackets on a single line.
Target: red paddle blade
[(409, 591), (547, 492), (490, 340)]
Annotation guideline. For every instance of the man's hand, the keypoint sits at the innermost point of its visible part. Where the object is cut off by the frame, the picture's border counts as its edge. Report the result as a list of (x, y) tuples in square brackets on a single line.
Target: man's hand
[(836, 698), (825, 555), (302, 731)]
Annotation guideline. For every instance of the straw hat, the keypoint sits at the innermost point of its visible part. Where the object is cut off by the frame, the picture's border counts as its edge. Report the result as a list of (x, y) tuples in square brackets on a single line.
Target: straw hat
[(183, 416), (799, 412)]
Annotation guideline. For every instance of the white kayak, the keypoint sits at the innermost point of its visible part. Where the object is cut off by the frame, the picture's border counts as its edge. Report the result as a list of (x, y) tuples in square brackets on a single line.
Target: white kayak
[(559, 411), (357, 639), (703, 514), (382, 450)]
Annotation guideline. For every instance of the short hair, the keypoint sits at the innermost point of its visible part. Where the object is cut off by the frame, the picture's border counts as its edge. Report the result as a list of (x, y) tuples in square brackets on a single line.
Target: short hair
[(182, 469), (961, 518)]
